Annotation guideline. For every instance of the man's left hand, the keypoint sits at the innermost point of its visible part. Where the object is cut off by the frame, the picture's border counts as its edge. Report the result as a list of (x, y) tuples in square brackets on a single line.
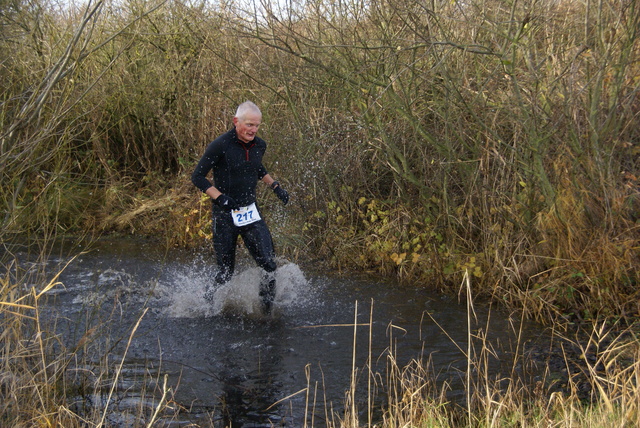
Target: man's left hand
[(281, 193)]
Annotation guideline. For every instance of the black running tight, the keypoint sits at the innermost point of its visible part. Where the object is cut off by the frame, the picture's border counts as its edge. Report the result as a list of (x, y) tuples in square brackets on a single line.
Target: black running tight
[(256, 238)]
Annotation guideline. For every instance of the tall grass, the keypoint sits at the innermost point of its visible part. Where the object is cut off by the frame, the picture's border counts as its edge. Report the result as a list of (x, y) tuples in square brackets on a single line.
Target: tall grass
[(521, 393), (74, 381)]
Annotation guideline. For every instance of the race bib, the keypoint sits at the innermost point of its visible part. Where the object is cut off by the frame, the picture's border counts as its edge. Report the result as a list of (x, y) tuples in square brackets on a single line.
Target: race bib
[(245, 215)]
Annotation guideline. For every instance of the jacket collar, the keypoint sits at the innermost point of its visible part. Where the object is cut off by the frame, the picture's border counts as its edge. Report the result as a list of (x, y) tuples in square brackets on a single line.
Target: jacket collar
[(234, 137)]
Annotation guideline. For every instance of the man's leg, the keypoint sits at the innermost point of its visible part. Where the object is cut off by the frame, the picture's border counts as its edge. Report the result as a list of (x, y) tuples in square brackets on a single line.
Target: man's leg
[(268, 291), (225, 237), (257, 239)]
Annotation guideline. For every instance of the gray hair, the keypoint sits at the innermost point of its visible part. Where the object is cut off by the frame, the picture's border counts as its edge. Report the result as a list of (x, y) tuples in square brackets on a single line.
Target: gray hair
[(245, 108)]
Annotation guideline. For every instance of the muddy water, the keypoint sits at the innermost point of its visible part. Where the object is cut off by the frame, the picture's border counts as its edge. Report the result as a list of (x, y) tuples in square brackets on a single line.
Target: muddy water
[(228, 365)]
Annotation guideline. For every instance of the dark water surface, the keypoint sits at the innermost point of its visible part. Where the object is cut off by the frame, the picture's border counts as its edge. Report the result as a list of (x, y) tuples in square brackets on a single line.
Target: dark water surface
[(227, 364)]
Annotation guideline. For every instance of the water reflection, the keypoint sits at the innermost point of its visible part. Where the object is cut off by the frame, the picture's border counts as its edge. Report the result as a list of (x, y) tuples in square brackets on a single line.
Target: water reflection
[(247, 373)]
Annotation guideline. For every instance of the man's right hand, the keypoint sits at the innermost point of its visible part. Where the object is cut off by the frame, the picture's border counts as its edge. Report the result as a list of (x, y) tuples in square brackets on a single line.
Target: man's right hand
[(226, 202)]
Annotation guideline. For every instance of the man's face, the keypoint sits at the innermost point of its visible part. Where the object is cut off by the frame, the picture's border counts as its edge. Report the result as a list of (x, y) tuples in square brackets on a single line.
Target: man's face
[(247, 126)]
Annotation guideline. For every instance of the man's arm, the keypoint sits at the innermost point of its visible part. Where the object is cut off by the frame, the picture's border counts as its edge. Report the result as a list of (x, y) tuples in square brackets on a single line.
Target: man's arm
[(213, 192), (268, 180), (277, 189), (199, 174), (211, 156)]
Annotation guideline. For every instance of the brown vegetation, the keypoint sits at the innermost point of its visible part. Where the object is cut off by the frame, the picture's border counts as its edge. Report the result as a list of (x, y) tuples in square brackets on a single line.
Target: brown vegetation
[(421, 140), (437, 138)]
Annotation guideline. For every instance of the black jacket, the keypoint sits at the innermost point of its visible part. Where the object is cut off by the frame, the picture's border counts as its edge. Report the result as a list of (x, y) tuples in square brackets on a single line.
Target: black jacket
[(237, 167)]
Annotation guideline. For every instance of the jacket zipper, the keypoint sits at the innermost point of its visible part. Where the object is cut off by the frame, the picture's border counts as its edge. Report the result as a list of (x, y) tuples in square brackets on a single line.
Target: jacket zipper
[(246, 149)]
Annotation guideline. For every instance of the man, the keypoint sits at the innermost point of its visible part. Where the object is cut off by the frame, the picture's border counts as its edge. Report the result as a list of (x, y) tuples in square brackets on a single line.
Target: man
[(236, 160)]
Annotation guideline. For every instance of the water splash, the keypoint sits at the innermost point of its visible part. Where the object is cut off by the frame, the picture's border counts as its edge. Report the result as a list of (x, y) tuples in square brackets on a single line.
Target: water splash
[(183, 292)]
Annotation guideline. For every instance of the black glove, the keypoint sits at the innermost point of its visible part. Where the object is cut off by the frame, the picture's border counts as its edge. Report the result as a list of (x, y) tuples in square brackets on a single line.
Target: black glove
[(226, 202), (280, 192)]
